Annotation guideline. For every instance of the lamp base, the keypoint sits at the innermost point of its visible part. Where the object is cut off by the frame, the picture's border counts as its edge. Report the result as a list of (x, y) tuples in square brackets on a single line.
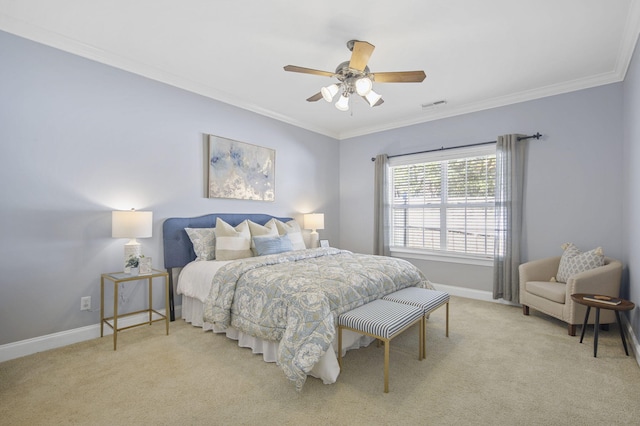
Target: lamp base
[(131, 249), (314, 239)]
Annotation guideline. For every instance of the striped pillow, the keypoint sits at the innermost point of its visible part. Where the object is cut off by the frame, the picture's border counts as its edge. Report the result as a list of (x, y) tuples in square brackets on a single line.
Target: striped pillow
[(268, 230), (232, 243), (293, 231)]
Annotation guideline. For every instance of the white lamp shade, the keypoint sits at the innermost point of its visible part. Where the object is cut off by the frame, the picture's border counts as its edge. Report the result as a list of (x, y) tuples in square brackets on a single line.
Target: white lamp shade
[(363, 86), (131, 224), (314, 221), (372, 98), (329, 92), (343, 103)]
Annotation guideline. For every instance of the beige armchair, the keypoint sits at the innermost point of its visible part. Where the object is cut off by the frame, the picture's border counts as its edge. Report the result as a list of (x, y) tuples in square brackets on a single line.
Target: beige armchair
[(554, 298)]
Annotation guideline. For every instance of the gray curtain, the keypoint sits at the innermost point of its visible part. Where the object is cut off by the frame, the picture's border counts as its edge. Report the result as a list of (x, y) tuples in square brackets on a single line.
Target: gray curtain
[(510, 162), (381, 208)]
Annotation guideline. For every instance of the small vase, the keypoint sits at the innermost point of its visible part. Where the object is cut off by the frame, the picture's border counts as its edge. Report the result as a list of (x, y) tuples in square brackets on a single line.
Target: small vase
[(134, 271)]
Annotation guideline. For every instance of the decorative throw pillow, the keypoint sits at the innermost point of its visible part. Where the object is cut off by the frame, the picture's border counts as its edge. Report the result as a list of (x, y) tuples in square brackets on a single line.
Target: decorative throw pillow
[(204, 242), (272, 244), (269, 229), (293, 231), (232, 243), (573, 261)]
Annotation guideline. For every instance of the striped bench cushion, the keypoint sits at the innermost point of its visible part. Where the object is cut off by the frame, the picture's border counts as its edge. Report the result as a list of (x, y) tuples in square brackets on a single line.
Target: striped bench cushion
[(423, 298), (381, 318)]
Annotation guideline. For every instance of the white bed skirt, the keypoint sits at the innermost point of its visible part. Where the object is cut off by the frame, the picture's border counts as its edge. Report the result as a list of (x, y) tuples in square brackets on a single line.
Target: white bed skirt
[(327, 369)]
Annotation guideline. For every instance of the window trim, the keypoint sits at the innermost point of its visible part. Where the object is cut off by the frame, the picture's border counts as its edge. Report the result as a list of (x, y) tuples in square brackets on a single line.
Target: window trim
[(434, 156), (449, 257)]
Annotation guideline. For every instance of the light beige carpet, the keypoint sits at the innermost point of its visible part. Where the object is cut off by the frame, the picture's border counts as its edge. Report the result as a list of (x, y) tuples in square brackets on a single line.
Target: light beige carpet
[(498, 367)]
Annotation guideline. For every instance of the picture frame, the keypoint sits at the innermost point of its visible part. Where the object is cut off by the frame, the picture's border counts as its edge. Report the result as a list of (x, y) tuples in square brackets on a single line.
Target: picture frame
[(324, 243), (240, 170), (144, 266)]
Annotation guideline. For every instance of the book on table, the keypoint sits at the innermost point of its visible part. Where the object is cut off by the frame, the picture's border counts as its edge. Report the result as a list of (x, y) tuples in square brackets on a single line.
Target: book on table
[(608, 300)]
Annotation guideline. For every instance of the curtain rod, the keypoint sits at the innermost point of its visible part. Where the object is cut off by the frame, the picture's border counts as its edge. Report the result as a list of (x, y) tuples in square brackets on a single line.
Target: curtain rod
[(536, 136)]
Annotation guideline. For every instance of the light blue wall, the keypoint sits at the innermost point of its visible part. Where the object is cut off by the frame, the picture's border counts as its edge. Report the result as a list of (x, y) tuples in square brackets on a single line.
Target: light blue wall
[(631, 209), (79, 139), (573, 179)]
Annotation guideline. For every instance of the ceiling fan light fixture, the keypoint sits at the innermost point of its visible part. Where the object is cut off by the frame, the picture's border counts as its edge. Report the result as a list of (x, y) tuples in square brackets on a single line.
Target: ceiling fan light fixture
[(343, 103), (355, 76), (364, 86), (329, 92), (372, 98)]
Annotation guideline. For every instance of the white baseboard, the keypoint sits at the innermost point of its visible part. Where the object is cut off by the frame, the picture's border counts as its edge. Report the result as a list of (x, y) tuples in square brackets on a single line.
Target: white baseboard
[(64, 338), (632, 341), (470, 293), (69, 337)]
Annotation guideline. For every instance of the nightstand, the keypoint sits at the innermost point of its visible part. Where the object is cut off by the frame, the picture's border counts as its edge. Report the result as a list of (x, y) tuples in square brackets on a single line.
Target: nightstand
[(599, 301), (120, 277)]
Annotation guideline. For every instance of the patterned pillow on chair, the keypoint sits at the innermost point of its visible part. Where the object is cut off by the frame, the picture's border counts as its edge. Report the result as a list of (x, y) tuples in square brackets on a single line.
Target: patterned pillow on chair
[(573, 261)]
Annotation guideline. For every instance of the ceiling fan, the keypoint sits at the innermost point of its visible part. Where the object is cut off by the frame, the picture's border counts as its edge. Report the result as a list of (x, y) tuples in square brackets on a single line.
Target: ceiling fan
[(355, 77)]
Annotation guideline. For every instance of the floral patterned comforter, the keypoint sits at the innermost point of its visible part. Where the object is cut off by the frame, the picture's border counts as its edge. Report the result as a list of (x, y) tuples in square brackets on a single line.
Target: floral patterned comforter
[(296, 297)]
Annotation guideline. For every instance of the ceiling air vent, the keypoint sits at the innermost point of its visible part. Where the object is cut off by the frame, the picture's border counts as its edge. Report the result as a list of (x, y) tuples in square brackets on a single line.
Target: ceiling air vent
[(432, 105)]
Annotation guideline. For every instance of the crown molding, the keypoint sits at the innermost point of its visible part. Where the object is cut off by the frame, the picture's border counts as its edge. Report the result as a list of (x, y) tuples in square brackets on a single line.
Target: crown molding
[(67, 44), (529, 95), (87, 51)]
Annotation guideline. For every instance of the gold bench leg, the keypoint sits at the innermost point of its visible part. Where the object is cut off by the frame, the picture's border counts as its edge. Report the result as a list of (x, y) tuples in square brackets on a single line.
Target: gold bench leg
[(423, 338), (424, 332), (340, 347), (447, 319), (386, 366)]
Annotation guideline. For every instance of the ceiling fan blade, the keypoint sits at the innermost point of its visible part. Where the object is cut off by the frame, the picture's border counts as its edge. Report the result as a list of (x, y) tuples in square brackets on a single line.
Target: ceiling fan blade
[(399, 77), (304, 70), (360, 55), (315, 97)]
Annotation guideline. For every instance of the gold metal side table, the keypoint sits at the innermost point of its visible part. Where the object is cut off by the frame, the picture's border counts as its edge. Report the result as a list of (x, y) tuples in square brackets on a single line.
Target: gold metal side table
[(120, 277)]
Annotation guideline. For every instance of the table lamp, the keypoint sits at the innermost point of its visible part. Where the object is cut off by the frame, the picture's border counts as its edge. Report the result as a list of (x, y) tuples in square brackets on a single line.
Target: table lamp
[(131, 224), (314, 221)]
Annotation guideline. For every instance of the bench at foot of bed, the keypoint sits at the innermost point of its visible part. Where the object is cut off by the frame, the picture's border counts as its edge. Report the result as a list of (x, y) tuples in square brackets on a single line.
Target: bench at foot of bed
[(427, 300), (383, 320)]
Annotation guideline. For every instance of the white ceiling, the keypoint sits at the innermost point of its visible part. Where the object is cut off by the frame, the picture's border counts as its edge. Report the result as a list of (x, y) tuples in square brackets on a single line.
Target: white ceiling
[(476, 54)]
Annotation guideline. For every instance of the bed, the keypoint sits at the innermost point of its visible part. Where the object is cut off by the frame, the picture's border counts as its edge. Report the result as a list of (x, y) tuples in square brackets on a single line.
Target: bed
[(281, 304)]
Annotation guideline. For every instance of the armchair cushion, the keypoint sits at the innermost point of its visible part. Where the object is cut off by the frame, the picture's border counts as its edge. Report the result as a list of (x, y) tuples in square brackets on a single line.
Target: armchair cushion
[(574, 261), (553, 291)]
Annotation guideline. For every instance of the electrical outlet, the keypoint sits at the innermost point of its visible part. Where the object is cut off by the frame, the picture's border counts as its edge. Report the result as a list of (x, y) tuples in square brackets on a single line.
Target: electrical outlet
[(85, 303)]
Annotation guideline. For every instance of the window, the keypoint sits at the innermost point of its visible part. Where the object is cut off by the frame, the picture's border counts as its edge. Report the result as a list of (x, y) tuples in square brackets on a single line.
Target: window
[(444, 201)]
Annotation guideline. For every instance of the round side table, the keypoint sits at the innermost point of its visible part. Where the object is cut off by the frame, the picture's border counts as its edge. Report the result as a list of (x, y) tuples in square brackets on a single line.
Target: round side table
[(602, 302)]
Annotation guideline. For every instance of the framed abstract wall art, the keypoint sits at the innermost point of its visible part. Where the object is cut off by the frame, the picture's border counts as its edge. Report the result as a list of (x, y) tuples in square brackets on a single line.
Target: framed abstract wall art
[(240, 170)]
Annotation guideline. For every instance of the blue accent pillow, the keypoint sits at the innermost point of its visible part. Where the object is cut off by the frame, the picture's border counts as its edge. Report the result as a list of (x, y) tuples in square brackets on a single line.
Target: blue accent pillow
[(272, 244)]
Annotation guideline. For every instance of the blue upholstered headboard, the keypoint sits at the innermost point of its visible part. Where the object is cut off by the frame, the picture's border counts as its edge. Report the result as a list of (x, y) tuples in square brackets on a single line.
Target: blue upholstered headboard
[(178, 250)]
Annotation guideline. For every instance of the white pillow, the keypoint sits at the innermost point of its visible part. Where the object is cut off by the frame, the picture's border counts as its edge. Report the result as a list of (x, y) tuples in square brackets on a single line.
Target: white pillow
[(268, 230), (293, 231), (204, 242), (232, 243)]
